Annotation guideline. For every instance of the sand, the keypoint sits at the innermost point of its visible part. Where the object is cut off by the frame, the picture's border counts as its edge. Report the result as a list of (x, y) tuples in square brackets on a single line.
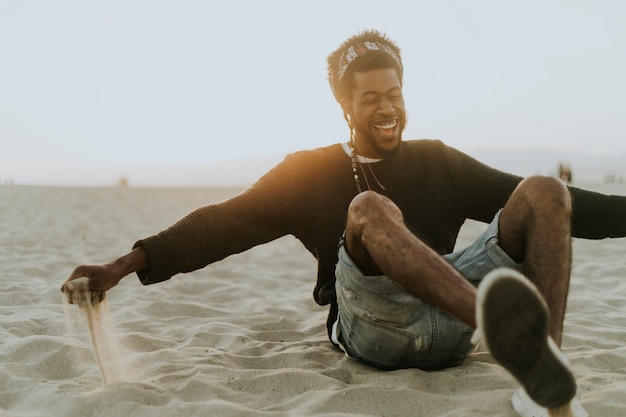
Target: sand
[(242, 337), (93, 304)]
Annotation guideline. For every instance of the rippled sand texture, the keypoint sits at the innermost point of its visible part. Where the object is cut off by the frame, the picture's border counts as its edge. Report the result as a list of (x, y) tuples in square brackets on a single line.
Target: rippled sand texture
[(242, 337)]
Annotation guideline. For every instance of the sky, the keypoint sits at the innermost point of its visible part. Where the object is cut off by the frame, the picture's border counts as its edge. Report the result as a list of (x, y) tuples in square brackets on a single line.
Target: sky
[(90, 88)]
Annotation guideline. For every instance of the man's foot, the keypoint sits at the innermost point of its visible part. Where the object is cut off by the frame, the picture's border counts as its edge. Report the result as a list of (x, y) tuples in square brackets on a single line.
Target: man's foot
[(514, 319), (525, 407)]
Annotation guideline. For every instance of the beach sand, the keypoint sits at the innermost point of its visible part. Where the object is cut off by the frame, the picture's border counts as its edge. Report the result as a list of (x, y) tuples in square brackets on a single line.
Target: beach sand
[(242, 337)]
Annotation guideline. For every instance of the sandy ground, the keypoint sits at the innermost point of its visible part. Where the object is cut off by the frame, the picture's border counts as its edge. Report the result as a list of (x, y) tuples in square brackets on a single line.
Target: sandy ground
[(242, 337)]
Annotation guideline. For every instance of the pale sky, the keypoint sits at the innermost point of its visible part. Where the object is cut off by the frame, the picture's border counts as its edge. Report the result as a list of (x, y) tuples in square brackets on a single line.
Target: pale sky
[(90, 85)]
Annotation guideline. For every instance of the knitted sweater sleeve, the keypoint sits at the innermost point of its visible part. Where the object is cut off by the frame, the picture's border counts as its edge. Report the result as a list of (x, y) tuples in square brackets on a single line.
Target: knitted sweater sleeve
[(596, 215), (484, 189), (267, 210)]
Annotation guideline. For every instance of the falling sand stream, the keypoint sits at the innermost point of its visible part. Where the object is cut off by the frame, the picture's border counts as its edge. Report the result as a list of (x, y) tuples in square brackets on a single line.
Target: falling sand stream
[(92, 304)]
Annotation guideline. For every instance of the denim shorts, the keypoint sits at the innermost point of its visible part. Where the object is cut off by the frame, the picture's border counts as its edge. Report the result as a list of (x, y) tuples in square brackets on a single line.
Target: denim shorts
[(382, 325)]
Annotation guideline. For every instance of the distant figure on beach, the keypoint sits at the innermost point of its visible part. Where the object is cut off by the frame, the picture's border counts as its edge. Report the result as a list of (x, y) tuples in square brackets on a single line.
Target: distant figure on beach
[(565, 173), (381, 216)]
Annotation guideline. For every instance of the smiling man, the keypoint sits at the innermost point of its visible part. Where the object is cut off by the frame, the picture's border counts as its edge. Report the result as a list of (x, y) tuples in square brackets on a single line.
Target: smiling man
[(381, 216), (376, 110)]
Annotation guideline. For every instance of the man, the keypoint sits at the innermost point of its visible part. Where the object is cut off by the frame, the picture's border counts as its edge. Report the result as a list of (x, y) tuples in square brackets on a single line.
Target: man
[(398, 296)]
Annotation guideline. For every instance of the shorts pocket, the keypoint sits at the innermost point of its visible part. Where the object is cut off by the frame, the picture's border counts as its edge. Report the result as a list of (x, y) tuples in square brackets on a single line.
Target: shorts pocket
[(377, 344)]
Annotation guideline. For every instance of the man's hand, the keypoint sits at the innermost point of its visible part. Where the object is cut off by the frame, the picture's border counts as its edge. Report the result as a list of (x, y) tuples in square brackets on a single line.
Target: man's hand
[(101, 277), (104, 277), (77, 292)]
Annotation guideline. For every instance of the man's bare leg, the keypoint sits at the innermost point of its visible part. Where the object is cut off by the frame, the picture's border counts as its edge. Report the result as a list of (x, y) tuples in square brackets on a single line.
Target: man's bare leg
[(379, 242), (535, 226)]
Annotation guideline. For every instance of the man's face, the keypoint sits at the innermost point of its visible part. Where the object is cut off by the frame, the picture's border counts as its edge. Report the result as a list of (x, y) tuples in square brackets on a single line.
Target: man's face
[(377, 112)]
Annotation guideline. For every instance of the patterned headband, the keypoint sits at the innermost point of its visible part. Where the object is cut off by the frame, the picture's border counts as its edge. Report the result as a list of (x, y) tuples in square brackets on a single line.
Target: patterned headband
[(353, 52)]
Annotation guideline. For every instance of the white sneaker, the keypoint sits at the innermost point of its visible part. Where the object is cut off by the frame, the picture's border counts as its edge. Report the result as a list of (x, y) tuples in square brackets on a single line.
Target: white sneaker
[(514, 321), (525, 407)]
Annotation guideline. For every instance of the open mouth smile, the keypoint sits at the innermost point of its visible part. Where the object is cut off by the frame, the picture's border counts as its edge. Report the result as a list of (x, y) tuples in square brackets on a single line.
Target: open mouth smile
[(386, 128), (390, 125)]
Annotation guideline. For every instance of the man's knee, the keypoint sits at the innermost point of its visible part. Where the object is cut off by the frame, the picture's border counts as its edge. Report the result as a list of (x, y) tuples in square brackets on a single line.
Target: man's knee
[(365, 204), (543, 192), (370, 206)]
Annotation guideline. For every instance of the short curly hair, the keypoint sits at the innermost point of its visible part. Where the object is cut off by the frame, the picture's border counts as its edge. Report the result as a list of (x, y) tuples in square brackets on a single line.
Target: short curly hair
[(340, 72)]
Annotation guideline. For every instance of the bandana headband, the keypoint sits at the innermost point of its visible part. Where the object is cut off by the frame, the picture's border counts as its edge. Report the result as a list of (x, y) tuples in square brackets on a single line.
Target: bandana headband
[(359, 49)]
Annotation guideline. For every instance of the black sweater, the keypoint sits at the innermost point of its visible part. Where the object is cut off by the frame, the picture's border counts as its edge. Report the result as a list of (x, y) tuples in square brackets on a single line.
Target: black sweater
[(307, 195)]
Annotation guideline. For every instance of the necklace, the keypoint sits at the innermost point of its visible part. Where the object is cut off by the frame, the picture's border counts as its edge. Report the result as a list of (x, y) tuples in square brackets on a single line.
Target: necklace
[(356, 166)]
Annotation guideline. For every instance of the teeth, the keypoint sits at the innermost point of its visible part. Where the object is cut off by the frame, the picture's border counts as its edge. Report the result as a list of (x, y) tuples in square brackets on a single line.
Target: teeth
[(389, 125)]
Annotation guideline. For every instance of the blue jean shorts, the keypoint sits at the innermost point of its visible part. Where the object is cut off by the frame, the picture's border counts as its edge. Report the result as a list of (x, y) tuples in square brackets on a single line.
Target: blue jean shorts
[(382, 325)]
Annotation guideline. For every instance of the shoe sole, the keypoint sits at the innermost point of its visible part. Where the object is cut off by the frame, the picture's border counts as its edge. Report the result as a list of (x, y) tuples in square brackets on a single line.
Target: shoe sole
[(514, 320)]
